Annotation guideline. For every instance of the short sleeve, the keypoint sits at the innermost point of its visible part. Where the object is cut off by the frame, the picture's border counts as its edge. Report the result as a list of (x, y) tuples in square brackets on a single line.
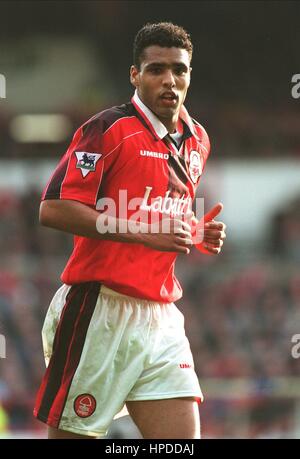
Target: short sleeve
[(79, 173)]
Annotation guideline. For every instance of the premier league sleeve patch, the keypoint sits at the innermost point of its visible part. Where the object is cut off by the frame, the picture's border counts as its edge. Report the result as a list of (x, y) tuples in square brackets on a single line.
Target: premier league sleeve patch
[(86, 161)]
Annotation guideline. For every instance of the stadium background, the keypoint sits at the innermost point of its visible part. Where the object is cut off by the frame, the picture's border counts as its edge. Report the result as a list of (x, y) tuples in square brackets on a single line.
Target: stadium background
[(66, 60)]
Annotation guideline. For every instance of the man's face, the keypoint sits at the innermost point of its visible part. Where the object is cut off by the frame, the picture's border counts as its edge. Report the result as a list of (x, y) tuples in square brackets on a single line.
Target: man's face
[(163, 80)]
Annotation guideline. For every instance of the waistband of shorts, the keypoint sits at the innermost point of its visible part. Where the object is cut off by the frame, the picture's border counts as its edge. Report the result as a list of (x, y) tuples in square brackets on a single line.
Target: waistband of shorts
[(108, 291)]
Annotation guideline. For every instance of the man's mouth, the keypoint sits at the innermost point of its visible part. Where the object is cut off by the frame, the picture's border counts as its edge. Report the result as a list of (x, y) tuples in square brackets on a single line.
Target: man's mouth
[(169, 98), (169, 95)]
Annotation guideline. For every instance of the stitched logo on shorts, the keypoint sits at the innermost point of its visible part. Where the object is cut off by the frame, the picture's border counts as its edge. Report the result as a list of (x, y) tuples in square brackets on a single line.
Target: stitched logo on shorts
[(84, 405)]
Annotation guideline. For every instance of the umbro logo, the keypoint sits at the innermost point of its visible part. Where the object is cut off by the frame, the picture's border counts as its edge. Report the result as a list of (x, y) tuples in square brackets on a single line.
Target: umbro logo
[(154, 154), (185, 365)]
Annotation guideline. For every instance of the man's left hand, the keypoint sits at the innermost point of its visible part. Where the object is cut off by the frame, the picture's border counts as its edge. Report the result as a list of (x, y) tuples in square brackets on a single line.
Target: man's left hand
[(214, 232)]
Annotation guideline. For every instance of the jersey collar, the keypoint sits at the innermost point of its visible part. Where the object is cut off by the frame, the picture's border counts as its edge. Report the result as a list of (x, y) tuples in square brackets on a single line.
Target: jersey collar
[(154, 124)]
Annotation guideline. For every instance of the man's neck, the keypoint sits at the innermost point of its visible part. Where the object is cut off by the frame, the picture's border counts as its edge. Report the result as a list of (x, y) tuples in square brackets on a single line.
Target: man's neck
[(170, 124)]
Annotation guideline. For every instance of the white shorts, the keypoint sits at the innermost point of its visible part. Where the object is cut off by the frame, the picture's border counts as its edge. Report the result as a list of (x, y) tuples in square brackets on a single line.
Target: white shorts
[(103, 349)]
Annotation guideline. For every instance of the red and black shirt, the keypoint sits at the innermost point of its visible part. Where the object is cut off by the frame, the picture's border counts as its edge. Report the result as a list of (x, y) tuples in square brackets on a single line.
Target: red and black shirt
[(127, 149)]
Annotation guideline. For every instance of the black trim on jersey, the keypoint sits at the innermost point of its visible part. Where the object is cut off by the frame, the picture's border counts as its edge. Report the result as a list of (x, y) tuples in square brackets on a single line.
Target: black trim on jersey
[(170, 139), (54, 187), (185, 135), (178, 170), (107, 118), (195, 122)]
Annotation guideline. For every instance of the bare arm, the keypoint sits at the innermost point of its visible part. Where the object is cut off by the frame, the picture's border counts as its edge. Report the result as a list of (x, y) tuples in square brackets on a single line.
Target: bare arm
[(79, 219)]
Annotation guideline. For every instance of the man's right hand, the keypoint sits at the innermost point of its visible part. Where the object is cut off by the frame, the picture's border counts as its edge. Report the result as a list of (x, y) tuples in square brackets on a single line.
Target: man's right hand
[(169, 235)]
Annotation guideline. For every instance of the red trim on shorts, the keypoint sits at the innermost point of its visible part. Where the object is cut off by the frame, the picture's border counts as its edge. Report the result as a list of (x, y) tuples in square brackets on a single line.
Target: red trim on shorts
[(67, 349), (41, 395)]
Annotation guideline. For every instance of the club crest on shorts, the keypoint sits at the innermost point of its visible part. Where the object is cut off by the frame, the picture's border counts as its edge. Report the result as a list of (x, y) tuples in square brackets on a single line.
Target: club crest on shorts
[(86, 161), (84, 405), (195, 167)]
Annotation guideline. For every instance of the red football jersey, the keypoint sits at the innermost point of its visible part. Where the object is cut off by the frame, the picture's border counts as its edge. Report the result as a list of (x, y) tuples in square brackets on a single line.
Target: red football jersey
[(127, 150)]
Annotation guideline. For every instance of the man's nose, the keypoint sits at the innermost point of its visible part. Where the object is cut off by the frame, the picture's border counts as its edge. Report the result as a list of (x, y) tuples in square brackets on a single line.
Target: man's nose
[(168, 79)]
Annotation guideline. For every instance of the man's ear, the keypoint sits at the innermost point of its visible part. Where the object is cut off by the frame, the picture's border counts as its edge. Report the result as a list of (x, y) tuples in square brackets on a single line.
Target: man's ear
[(190, 69), (134, 76)]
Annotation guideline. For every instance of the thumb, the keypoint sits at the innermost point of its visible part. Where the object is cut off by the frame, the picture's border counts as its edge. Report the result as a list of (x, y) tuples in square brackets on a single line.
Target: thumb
[(209, 216)]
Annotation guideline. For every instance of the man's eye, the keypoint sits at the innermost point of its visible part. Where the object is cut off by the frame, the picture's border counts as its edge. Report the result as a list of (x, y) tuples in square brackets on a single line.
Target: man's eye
[(155, 70), (180, 71)]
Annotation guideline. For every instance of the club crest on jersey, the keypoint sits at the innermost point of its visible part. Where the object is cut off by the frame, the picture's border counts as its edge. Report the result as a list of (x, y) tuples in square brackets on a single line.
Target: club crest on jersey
[(195, 167), (86, 161)]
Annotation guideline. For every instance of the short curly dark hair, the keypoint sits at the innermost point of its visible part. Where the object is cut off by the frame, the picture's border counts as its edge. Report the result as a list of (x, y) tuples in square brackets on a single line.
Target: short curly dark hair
[(164, 34)]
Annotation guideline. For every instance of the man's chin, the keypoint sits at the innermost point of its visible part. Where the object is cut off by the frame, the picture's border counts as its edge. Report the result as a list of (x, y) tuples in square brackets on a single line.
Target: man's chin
[(167, 112)]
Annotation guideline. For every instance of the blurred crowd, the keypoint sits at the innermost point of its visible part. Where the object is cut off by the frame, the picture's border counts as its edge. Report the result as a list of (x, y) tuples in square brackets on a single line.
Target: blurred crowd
[(240, 317)]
